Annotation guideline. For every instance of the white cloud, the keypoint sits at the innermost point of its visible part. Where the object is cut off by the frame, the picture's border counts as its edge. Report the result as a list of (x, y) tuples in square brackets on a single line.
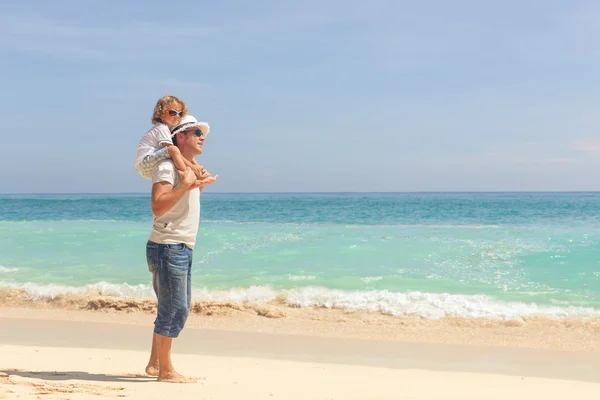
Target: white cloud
[(590, 146)]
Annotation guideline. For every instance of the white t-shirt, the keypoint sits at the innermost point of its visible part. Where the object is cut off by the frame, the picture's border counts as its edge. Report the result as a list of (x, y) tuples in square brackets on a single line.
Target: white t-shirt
[(152, 141), (180, 223)]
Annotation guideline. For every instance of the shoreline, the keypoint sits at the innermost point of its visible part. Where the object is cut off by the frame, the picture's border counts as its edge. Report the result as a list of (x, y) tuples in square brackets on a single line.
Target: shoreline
[(428, 305), (572, 334), (120, 335)]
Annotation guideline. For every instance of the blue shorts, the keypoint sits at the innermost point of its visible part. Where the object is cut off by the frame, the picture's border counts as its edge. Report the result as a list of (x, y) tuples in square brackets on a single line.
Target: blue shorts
[(171, 267)]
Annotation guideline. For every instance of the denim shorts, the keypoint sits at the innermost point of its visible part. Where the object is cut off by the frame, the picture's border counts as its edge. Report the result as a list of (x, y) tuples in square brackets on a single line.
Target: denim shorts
[(171, 267)]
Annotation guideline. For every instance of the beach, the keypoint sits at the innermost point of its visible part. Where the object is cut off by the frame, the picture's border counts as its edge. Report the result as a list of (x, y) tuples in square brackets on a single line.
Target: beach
[(406, 205), (52, 353), (309, 296)]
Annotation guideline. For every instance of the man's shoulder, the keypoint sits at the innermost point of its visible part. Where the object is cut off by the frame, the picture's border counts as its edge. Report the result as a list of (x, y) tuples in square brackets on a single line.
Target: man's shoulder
[(164, 172), (165, 165)]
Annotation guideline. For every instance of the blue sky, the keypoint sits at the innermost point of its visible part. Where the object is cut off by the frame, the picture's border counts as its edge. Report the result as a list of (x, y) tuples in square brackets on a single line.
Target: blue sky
[(306, 96)]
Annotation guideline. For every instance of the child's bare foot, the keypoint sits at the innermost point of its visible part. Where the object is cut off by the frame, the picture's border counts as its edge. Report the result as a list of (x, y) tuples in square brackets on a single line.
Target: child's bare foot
[(152, 370), (175, 377)]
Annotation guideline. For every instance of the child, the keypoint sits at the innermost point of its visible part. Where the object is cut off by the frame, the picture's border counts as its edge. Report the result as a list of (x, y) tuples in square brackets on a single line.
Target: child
[(157, 144)]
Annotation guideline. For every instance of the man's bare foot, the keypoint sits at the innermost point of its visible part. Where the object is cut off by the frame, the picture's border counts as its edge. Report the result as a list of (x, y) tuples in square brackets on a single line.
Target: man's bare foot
[(152, 370), (175, 377)]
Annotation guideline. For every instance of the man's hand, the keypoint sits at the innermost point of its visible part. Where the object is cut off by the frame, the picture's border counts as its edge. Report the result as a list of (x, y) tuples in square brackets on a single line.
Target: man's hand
[(187, 178), (203, 182), (200, 172)]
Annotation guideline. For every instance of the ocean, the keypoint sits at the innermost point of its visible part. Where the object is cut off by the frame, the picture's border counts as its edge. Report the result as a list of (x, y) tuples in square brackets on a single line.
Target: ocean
[(430, 255)]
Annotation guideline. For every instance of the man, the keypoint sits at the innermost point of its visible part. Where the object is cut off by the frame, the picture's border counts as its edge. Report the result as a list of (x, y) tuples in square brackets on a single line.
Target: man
[(176, 208)]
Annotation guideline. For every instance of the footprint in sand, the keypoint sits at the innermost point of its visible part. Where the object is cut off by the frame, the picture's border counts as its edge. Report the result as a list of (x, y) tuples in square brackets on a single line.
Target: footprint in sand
[(51, 390), (73, 388)]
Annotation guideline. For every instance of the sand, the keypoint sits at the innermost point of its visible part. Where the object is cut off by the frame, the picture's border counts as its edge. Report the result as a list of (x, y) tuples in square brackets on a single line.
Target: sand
[(70, 354)]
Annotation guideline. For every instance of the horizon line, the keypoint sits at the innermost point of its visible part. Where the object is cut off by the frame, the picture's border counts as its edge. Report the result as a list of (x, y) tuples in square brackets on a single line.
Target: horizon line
[(319, 192)]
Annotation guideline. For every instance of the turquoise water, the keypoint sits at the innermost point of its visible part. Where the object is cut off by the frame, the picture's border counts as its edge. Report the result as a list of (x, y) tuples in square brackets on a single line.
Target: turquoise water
[(430, 254)]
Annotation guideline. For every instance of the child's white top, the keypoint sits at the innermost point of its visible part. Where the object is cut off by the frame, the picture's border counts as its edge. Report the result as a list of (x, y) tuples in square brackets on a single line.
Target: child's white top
[(152, 141)]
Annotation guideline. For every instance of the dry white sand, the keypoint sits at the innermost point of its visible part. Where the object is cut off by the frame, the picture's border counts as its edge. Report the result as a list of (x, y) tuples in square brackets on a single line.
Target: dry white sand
[(82, 373), (46, 354)]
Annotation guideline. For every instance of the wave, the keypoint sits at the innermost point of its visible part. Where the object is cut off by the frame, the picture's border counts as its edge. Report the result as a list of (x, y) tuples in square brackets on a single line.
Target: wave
[(405, 304), (6, 269), (429, 305), (354, 225), (369, 279), (35, 291), (301, 277)]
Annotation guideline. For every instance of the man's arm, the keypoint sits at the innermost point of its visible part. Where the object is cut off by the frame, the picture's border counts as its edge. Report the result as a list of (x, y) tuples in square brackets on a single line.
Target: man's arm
[(165, 195)]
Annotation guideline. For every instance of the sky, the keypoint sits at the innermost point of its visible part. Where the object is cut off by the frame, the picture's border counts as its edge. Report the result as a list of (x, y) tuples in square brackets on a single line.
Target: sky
[(305, 96)]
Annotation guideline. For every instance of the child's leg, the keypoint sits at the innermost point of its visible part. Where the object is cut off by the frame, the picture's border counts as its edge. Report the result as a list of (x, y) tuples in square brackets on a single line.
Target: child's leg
[(198, 169), (177, 158), (148, 164), (181, 163), (203, 172)]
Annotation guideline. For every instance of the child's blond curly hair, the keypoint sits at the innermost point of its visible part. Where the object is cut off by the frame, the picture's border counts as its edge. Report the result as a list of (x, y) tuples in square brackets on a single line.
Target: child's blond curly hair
[(165, 103)]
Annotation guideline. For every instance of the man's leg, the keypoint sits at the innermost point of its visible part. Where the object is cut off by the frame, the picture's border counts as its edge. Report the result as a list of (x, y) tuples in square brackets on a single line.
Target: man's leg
[(166, 372), (153, 254), (173, 307), (163, 343), (153, 365), (189, 282)]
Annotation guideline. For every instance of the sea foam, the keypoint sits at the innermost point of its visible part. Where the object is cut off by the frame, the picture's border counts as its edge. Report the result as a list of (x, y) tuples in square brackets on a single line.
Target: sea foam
[(412, 304)]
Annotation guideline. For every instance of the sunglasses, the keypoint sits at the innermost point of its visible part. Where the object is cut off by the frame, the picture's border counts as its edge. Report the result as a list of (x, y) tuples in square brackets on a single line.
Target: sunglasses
[(196, 132), (173, 113)]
